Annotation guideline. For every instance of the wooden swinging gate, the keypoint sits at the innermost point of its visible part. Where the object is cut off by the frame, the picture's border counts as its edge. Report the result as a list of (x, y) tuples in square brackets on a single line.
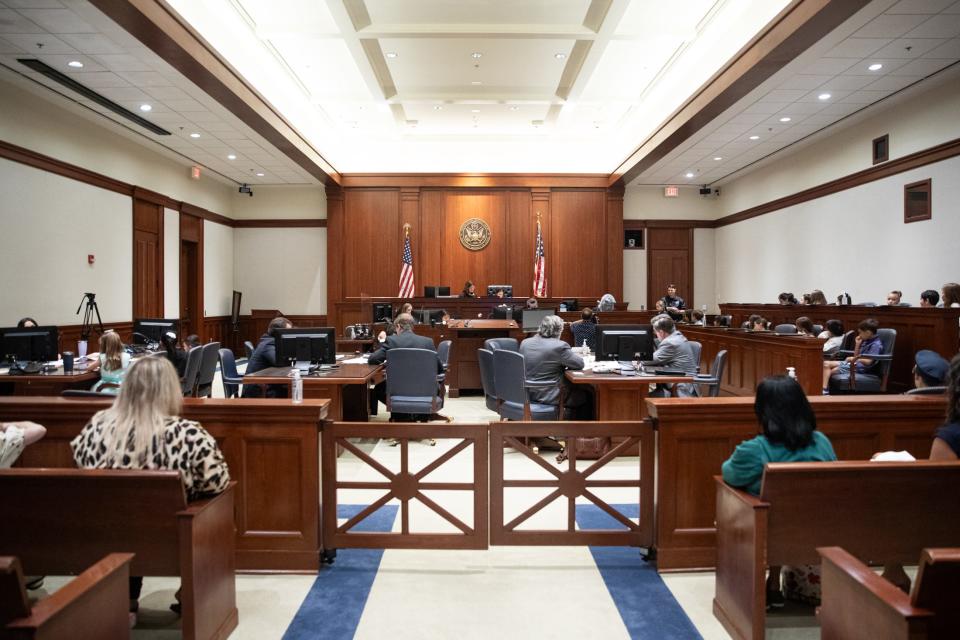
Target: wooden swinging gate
[(489, 443)]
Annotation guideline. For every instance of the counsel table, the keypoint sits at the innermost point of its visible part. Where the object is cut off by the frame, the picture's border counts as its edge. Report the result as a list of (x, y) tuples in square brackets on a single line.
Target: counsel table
[(53, 383), (347, 387)]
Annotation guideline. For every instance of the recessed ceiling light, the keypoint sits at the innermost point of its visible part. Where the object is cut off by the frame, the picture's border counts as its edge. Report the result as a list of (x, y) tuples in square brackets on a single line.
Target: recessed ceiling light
[(145, 107), (476, 55), (559, 56), (785, 119), (514, 108), (476, 82), (391, 54), (717, 158), (259, 174), (824, 96), (437, 107), (76, 64), (875, 67), (689, 174), (194, 135), (474, 110), (754, 137), (231, 157)]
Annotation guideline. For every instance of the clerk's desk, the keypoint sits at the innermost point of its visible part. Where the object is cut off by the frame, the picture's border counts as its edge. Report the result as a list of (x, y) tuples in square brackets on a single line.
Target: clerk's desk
[(52, 383)]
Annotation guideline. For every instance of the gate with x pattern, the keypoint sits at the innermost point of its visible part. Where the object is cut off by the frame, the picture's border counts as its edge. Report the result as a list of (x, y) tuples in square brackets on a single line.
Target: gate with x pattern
[(487, 445)]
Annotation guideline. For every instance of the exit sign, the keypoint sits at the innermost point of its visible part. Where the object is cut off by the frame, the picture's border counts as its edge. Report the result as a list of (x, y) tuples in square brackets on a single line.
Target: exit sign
[(671, 192)]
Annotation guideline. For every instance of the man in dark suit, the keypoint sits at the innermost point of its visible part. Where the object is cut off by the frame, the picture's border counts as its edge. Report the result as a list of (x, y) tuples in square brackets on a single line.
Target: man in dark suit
[(264, 357), (404, 338), (546, 357)]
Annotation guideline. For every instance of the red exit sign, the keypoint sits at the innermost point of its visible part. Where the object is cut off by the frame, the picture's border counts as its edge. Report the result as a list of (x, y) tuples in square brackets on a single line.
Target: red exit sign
[(671, 192)]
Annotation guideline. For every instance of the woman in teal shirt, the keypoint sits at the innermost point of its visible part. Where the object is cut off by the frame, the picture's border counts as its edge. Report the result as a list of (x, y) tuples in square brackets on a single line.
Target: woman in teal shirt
[(788, 433)]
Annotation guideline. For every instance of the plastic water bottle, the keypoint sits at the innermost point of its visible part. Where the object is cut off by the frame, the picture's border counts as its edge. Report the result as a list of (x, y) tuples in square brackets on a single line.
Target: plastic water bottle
[(297, 387), (586, 347), (703, 321), (792, 372), (563, 307)]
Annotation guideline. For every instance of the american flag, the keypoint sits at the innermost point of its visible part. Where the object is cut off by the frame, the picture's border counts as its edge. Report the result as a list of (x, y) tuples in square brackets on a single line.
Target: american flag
[(539, 268), (406, 272)]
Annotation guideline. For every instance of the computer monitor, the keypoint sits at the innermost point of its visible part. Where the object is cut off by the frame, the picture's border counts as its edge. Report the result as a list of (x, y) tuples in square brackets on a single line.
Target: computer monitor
[(31, 344), (302, 348), (382, 312), (429, 316), (436, 292), (624, 342), (150, 329), (503, 312), (493, 289), (572, 304), (533, 317)]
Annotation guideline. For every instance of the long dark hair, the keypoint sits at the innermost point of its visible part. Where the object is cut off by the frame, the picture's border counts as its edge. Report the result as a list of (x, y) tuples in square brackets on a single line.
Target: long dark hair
[(953, 390), (784, 412)]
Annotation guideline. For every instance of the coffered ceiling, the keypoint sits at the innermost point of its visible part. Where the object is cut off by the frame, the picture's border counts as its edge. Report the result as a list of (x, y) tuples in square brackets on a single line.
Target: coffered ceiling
[(558, 86)]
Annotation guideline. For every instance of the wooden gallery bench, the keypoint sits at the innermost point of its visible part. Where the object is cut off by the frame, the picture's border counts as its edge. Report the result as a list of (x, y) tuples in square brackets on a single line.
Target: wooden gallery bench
[(92, 606), (881, 512), (860, 605), (64, 520)]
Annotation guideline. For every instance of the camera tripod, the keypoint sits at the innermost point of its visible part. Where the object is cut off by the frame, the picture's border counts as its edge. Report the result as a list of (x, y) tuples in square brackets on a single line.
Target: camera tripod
[(90, 299)]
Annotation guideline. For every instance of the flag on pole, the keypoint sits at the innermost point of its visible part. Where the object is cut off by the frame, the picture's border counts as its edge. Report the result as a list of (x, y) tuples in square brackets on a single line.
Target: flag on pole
[(406, 271), (539, 266)]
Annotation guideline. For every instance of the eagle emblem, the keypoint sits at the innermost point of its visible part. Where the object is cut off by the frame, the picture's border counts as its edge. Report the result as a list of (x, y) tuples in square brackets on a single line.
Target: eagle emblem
[(475, 234)]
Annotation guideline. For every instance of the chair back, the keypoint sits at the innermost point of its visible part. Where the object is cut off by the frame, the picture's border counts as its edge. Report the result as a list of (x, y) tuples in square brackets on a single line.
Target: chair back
[(412, 381), (785, 329), (228, 373), (817, 329), (248, 347), (188, 383), (888, 339), (443, 352), (85, 393), (745, 324), (725, 321), (716, 373), (485, 360), (920, 391), (695, 350), (509, 376), (208, 369), (493, 344)]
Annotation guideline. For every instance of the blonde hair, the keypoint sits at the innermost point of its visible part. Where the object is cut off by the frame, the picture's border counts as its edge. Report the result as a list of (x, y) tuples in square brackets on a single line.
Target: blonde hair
[(111, 346), (149, 395)]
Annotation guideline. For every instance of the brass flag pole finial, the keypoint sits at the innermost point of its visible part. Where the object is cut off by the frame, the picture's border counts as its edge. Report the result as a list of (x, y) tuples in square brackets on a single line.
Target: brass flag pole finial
[(406, 228), (538, 216)]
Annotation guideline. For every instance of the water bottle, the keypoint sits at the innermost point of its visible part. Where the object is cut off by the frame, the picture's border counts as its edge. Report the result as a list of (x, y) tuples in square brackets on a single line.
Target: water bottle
[(586, 347), (563, 307), (792, 372), (297, 387), (703, 320)]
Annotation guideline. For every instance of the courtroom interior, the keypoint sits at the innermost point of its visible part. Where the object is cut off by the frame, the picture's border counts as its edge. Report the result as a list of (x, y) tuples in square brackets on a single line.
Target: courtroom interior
[(479, 318)]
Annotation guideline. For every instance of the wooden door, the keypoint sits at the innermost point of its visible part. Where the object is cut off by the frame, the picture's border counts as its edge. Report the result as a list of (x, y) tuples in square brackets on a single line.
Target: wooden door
[(669, 261), (147, 259), (191, 275)]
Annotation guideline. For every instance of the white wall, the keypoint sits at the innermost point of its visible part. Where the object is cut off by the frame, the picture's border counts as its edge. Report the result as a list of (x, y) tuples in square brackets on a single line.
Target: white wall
[(704, 271), (283, 269), (171, 263), (217, 269), (854, 241), (635, 278), (49, 226)]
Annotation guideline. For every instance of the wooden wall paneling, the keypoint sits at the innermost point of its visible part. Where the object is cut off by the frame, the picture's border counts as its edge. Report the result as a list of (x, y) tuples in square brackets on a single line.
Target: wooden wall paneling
[(669, 260), (191, 275), (147, 259), (372, 242), (410, 214), (614, 226), (335, 224), (578, 240), (429, 266), (521, 229), (489, 265)]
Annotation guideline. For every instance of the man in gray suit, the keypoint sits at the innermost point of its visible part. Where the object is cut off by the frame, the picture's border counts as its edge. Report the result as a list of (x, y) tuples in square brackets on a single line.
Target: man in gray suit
[(547, 357), (404, 338), (674, 352)]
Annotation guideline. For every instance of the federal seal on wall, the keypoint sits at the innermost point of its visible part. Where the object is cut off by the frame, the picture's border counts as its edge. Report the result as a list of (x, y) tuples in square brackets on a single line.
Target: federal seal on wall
[(474, 234)]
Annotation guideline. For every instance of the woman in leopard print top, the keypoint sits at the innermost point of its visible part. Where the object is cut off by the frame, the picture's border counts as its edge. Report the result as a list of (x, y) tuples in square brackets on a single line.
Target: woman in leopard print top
[(144, 417)]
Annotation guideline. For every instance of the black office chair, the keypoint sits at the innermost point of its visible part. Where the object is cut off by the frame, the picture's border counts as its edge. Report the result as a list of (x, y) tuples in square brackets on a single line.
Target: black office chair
[(715, 377), (785, 329), (695, 348), (228, 374), (412, 383), (513, 390), (248, 347), (724, 321), (487, 379), (443, 352), (922, 391), (874, 382), (817, 329), (208, 369), (493, 344), (188, 383)]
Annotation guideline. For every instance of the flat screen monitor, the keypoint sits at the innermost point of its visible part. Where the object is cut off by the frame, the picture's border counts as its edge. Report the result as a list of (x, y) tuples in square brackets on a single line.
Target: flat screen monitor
[(533, 317), (503, 312), (31, 344), (624, 342), (382, 312), (572, 304), (235, 308), (429, 316), (436, 292), (150, 329), (302, 348), (493, 289)]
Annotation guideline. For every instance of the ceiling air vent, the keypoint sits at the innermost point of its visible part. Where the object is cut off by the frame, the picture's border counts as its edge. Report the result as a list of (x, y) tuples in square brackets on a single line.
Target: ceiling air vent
[(86, 92)]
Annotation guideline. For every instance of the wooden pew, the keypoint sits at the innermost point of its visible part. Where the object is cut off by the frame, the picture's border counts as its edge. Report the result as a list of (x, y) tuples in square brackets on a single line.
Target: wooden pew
[(92, 606), (67, 519), (860, 605), (272, 448), (884, 512), (695, 436)]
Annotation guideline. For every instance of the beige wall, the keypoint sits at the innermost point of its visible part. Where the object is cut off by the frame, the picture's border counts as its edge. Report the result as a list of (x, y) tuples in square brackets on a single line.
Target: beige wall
[(217, 269), (171, 263), (283, 269), (280, 202)]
